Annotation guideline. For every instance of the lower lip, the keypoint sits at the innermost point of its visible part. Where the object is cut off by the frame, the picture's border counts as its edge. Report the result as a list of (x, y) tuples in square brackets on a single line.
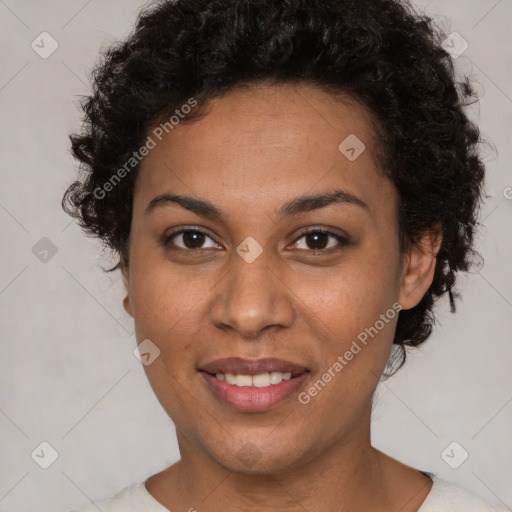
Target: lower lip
[(251, 399)]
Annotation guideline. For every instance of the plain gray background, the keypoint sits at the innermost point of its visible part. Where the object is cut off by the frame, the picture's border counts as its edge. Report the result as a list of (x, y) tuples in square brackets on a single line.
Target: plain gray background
[(68, 374)]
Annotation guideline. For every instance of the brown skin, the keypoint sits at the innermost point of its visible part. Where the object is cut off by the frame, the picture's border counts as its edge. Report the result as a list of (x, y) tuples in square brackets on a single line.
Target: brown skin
[(254, 150)]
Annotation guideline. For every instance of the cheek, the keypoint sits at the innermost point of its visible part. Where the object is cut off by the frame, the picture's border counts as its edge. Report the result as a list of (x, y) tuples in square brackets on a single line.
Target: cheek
[(168, 307), (167, 311), (361, 323), (352, 296), (354, 306)]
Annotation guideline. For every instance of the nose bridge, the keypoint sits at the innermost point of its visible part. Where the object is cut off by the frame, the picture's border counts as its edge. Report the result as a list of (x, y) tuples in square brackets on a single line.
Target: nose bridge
[(252, 297)]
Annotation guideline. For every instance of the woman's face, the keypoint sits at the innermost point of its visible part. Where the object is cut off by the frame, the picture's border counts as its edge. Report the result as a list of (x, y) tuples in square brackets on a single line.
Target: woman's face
[(249, 284)]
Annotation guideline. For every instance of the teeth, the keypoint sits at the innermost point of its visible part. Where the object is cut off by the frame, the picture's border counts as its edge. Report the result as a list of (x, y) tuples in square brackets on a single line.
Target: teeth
[(277, 377), (262, 380), (243, 380), (230, 378)]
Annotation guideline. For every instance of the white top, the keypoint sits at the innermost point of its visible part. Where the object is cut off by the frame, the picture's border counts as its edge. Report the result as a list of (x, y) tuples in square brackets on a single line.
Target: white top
[(443, 497)]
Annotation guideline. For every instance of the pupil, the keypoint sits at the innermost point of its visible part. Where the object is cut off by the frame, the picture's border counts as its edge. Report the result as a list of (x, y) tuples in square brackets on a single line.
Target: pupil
[(194, 239), (314, 238), (197, 239)]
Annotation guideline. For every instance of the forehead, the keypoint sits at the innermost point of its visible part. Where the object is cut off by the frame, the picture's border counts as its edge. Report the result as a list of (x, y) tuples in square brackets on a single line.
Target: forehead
[(266, 143)]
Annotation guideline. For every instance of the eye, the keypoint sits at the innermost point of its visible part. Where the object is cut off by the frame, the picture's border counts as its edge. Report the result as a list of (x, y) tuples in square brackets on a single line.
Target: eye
[(317, 240), (188, 239)]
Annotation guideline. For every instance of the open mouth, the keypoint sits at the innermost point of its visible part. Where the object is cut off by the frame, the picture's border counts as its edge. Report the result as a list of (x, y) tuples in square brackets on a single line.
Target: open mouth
[(262, 380), (253, 385)]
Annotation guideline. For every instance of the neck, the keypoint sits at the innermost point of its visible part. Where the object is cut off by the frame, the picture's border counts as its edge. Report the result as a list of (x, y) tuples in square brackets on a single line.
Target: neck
[(349, 473)]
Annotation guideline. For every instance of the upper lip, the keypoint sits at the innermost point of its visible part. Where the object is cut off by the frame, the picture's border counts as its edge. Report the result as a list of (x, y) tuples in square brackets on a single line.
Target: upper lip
[(241, 366)]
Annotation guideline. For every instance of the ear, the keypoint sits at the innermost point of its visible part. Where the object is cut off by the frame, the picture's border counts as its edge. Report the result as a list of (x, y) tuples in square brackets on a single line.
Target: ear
[(418, 268), (125, 272)]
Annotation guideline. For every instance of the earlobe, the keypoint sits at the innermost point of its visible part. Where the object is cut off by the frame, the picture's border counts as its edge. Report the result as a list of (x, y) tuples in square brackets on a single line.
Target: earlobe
[(127, 305), (418, 270), (126, 301)]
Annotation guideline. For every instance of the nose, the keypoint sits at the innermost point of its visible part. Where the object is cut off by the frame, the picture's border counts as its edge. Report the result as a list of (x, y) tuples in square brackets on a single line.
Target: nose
[(252, 298)]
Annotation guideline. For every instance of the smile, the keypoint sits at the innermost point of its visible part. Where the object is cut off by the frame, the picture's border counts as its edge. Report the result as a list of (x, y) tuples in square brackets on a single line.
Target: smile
[(261, 380), (253, 385)]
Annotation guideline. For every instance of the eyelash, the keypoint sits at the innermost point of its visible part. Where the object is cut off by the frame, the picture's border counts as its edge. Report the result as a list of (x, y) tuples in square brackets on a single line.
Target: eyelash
[(343, 242)]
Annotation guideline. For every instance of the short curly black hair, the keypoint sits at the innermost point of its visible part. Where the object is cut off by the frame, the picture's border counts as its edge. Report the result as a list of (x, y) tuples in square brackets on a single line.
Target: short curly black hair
[(381, 52)]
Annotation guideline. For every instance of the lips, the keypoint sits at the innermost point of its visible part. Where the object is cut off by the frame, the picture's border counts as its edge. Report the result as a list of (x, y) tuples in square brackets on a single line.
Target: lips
[(241, 366), (253, 385)]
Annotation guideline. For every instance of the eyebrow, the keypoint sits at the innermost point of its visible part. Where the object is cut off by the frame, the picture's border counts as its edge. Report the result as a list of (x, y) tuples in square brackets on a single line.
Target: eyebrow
[(301, 204)]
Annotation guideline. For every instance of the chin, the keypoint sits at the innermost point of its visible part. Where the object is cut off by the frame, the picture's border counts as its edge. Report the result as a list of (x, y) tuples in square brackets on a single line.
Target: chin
[(264, 459)]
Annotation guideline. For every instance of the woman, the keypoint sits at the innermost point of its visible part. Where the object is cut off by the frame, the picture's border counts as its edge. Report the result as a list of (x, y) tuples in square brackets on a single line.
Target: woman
[(289, 187)]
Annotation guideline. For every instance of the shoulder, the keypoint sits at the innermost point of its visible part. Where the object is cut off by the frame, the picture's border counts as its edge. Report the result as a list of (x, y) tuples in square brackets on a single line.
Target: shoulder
[(447, 497), (134, 498), (443, 497)]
